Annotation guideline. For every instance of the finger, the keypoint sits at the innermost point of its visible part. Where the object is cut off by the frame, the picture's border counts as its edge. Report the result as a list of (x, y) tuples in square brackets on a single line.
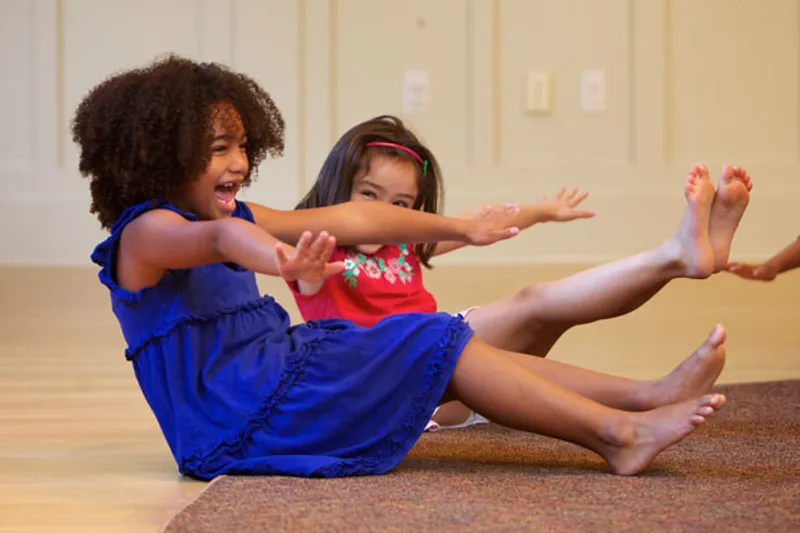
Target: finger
[(318, 247), (579, 199), (280, 254), (303, 242), (327, 251), (560, 193), (507, 233), (331, 269), (572, 193), (582, 214)]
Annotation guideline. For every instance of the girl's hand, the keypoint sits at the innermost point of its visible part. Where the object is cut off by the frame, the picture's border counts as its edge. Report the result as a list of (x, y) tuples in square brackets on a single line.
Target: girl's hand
[(764, 272), (493, 223), (309, 262), (562, 208)]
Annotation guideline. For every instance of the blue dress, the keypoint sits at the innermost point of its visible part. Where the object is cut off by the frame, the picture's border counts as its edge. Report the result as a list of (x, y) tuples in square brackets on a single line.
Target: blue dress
[(237, 389)]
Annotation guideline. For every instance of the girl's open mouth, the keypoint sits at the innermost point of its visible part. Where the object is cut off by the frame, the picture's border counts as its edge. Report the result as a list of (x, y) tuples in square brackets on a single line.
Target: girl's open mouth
[(226, 196)]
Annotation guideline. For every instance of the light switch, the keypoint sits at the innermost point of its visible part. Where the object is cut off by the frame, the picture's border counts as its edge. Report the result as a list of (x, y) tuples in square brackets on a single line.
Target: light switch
[(416, 92), (593, 91), (537, 94)]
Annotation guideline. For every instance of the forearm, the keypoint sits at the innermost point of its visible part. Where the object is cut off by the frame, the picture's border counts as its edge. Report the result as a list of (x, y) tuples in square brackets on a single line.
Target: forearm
[(788, 258), (241, 242), (444, 247), (362, 222)]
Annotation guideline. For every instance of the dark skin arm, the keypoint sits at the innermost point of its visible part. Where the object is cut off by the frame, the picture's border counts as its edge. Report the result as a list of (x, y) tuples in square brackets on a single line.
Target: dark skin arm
[(786, 259), (161, 240), (365, 222)]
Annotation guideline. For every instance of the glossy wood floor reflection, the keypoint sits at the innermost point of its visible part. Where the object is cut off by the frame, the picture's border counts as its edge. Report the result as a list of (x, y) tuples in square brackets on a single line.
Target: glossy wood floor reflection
[(80, 451)]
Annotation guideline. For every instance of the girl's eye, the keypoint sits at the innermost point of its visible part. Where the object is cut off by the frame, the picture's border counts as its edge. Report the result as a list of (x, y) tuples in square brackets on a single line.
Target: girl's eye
[(368, 194), (218, 148), (401, 203)]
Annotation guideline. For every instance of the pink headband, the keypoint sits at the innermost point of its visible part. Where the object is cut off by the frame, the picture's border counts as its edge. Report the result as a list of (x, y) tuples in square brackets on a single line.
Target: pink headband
[(405, 149)]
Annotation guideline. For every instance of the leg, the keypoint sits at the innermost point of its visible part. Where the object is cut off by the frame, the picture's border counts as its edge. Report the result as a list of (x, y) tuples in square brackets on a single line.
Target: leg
[(491, 382), (693, 377), (533, 319)]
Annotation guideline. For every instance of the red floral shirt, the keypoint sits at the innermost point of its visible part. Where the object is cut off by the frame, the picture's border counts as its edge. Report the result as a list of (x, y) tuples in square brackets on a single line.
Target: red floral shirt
[(371, 287)]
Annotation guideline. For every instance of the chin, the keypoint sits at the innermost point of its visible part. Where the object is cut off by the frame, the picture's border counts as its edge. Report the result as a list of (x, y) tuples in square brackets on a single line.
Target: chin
[(368, 248)]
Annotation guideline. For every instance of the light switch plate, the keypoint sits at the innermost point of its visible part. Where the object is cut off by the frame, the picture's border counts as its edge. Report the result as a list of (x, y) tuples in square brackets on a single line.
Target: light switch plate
[(416, 92), (593, 91), (538, 89)]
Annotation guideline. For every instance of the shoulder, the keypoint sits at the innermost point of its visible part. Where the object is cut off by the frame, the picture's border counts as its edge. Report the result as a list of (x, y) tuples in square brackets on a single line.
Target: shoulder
[(243, 211), (141, 215)]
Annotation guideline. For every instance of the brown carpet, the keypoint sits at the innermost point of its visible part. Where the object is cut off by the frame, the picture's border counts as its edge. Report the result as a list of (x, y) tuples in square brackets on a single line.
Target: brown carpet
[(739, 473)]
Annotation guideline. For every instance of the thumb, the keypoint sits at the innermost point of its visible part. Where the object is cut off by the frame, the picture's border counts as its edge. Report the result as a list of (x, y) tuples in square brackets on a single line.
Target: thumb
[(584, 214), (507, 233), (331, 269)]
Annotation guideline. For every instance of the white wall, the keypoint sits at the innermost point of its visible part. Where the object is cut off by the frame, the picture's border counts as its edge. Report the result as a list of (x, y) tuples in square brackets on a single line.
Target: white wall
[(715, 81)]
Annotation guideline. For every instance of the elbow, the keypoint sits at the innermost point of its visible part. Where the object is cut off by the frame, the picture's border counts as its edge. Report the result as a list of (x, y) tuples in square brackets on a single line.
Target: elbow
[(221, 233)]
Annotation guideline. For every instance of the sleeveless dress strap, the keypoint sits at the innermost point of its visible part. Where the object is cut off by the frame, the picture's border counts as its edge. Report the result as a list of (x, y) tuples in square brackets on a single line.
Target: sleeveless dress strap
[(105, 252)]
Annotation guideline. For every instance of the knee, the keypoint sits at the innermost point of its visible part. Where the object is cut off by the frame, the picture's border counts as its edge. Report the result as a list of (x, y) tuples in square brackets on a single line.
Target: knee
[(539, 309), (527, 303), (530, 296)]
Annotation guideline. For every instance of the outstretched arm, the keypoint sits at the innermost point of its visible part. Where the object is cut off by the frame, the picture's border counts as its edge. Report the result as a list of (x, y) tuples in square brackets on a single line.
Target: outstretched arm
[(786, 259), (162, 240), (562, 208), (443, 247), (368, 222)]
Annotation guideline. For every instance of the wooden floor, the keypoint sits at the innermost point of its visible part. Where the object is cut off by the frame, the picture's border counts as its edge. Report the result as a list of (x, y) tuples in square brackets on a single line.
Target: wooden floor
[(79, 450)]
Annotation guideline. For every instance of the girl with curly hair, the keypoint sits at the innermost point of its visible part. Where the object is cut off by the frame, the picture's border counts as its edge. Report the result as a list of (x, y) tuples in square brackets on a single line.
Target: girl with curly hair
[(235, 387)]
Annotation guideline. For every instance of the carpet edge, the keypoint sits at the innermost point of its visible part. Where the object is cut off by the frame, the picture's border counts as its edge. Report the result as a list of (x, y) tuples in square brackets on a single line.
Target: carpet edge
[(191, 503)]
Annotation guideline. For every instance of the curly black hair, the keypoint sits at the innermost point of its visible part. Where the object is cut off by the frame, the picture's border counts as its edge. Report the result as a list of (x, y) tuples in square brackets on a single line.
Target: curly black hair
[(351, 155), (146, 132)]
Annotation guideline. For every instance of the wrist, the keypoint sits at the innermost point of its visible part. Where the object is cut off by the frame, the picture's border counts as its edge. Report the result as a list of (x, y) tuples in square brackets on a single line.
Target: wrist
[(462, 229), (536, 214), (776, 264)]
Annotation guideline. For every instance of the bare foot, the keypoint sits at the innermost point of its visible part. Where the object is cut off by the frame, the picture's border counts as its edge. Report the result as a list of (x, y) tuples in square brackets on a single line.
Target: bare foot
[(733, 195), (632, 445), (696, 375), (690, 247)]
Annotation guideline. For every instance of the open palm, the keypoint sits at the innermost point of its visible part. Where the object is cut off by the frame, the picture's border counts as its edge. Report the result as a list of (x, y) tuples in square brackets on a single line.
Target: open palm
[(310, 260), (563, 206), (764, 272)]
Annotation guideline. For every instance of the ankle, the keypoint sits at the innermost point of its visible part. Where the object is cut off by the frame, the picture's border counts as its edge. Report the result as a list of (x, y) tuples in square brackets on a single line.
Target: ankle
[(671, 260), (618, 430), (646, 396)]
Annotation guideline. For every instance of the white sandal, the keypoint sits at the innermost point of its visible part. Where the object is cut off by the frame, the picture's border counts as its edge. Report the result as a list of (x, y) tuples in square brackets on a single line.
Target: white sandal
[(472, 420)]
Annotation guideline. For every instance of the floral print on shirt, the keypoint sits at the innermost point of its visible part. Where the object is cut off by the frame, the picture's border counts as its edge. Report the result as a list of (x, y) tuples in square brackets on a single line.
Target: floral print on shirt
[(376, 267)]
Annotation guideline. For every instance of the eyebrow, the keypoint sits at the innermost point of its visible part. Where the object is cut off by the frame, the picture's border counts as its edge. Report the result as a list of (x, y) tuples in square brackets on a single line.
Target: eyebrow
[(382, 189), (228, 137)]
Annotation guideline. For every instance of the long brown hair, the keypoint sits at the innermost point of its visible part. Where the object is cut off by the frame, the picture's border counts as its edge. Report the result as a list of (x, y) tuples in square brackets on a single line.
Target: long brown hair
[(351, 155)]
